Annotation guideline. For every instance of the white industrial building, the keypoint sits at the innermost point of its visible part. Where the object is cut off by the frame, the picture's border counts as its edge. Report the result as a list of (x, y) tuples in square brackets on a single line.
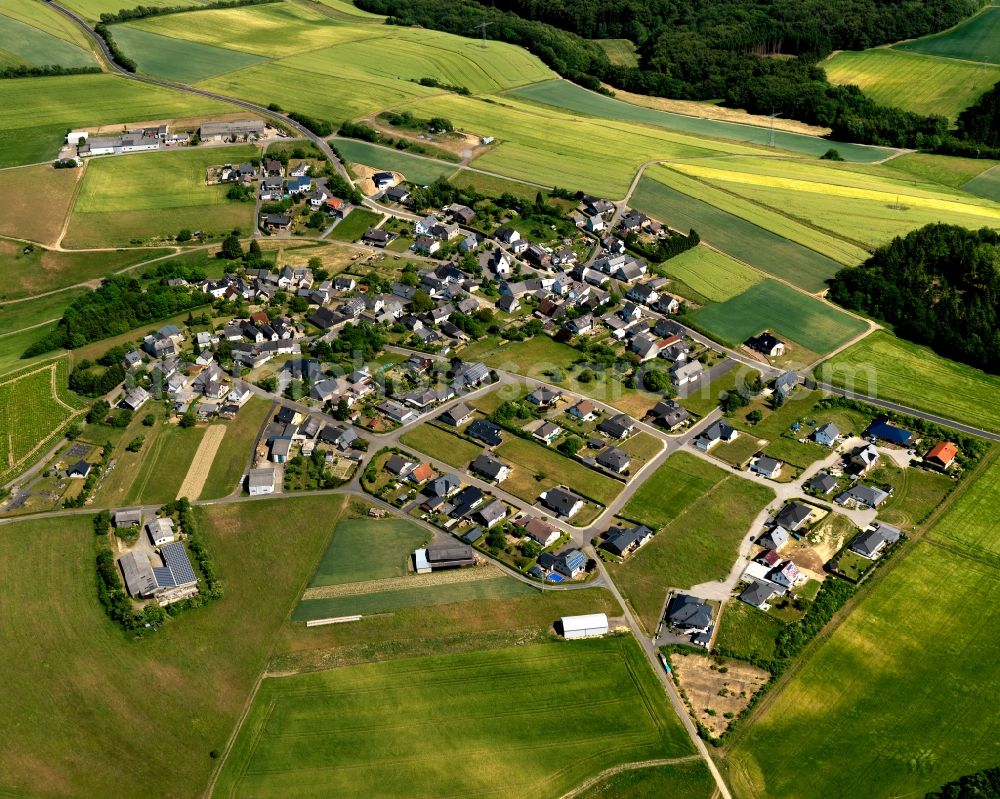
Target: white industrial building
[(592, 625), (260, 481)]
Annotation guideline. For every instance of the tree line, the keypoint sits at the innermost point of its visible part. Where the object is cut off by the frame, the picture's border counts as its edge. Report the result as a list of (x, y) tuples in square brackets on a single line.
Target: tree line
[(756, 55), (938, 286)]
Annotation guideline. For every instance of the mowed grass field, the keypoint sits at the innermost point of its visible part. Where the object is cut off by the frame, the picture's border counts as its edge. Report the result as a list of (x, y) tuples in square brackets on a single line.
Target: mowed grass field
[(976, 39), (915, 82), (571, 97), (28, 45), (368, 549), (234, 452), (770, 252), (353, 226), (530, 459), (37, 201), (890, 368), (37, 113), (668, 491), (176, 59), (25, 274), (888, 704), (157, 475), (619, 51), (747, 632), (456, 725), (441, 444), (712, 274), (33, 409), (151, 196), (418, 170), (772, 305), (15, 317), (698, 545), (63, 724)]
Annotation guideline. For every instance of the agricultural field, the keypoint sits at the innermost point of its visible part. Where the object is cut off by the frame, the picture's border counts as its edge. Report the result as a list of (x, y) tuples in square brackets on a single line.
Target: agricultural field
[(750, 243), (58, 648), (417, 170), (33, 412), (911, 81), (176, 59), (700, 544), (668, 491), (353, 226), (351, 740), (619, 51), (233, 454), (985, 185), (944, 169), (39, 112), (27, 45), (157, 475), (972, 525), (38, 199), (531, 459), (115, 205), (24, 274), (21, 316), (493, 186), (883, 366), (92, 9), (975, 39), (568, 96), (678, 781), (713, 274), (746, 632), (44, 18), (771, 305), (441, 444), (886, 705)]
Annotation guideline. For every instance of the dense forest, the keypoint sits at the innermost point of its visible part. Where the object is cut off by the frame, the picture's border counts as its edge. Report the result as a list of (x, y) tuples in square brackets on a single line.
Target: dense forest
[(752, 54), (119, 305), (983, 784), (939, 286)]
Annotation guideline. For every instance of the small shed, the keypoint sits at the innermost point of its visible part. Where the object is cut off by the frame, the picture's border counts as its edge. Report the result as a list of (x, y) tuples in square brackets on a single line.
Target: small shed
[(590, 625)]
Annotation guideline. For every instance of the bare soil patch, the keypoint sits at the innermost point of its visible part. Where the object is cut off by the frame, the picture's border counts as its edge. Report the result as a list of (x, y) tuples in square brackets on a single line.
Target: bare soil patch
[(715, 687), (194, 480)]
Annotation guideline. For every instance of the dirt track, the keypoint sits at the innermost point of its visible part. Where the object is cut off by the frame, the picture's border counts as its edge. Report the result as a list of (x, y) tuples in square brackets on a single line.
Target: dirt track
[(194, 480)]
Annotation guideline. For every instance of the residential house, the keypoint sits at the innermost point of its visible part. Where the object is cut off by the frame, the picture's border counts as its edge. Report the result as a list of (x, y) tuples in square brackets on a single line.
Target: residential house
[(623, 541), (614, 459), (260, 481), (822, 483), (766, 344), (396, 411), (862, 495), (544, 396), (872, 543), (486, 431), (491, 468), (584, 410), (689, 614), (758, 593), (160, 531), (509, 304), (775, 538), (491, 515), (571, 563), (645, 347), (785, 382), (882, 430), (643, 293), (863, 460), (135, 399), (426, 245), (508, 236), (543, 533), (443, 486), (376, 237), (942, 455), (457, 414), (562, 502), (787, 575), (766, 466), (397, 194), (421, 474), (618, 426), (670, 414), (277, 222), (718, 432), (400, 465), (383, 180), (547, 432), (793, 516), (826, 434)]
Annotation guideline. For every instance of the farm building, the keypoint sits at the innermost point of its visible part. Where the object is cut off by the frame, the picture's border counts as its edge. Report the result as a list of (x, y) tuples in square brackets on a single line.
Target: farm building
[(260, 481), (160, 531), (881, 430), (237, 130), (443, 556), (590, 625), (127, 518)]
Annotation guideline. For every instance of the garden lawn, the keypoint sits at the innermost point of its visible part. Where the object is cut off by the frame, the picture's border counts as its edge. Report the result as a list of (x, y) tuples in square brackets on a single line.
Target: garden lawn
[(353, 226), (668, 491), (37, 113), (912, 81), (40, 271), (368, 549), (531, 459), (234, 452), (569, 96), (775, 306), (697, 546), (746, 632), (116, 203), (975, 39), (442, 445), (64, 732), (883, 366), (887, 705), (712, 274), (733, 235), (916, 493), (395, 728), (417, 170), (176, 59)]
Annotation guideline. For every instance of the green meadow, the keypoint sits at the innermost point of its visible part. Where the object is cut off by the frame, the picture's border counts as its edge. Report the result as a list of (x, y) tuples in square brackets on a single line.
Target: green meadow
[(176, 59), (976, 39), (32, 46)]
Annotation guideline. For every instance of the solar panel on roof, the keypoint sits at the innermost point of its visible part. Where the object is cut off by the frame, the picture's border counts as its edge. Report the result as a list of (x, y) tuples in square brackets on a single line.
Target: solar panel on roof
[(177, 561)]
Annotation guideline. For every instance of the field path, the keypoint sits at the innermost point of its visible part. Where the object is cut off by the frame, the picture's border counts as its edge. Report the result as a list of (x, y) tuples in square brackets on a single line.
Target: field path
[(629, 767), (194, 480), (401, 583)]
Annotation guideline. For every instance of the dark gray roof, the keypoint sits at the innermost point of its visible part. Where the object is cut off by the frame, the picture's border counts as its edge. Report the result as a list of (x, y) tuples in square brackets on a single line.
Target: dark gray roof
[(757, 593), (792, 515), (487, 465), (560, 500), (177, 565), (614, 458), (689, 612)]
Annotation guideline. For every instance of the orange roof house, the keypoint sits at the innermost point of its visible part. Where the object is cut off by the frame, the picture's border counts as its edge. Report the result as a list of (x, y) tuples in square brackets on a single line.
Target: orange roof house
[(942, 454)]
